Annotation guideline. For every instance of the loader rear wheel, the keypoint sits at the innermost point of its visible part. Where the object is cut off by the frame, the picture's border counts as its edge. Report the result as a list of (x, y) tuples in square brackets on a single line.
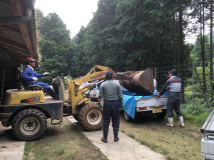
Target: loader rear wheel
[(29, 125), (90, 116)]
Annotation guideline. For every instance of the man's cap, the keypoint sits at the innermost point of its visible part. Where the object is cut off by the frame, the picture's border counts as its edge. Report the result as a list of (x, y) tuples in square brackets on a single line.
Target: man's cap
[(29, 59), (173, 71), (109, 73)]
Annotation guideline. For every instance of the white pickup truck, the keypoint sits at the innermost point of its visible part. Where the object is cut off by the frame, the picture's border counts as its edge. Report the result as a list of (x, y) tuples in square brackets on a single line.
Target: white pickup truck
[(145, 106), (207, 142), (149, 106)]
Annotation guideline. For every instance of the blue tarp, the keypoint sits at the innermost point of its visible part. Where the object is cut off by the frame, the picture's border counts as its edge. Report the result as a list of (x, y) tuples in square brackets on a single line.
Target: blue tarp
[(129, 102)]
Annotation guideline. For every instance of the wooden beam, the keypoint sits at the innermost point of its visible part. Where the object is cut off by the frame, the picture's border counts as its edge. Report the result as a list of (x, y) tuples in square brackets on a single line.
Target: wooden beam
[(21, 60), (11, 29), (8, 41), (7, 57), (18, 11), (17, 53), (6, 3), (13, 47), (5, 32)]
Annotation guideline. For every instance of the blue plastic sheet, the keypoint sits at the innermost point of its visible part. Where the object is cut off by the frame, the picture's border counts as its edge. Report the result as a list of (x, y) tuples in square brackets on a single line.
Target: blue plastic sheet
[(129, 102)]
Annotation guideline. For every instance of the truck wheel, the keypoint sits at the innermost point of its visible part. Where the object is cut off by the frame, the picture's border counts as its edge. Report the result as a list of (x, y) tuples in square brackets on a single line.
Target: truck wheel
[(76, 117), (127, 117), (29, 125), (90, 116)]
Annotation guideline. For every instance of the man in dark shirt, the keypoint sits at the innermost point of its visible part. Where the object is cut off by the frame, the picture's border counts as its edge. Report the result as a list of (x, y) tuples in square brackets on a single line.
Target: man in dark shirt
[(173, 85), (112, 96)]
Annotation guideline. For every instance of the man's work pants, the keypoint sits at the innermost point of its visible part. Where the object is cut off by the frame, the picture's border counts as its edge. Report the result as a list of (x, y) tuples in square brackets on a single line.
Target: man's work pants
[(111, 109), (173, 103)]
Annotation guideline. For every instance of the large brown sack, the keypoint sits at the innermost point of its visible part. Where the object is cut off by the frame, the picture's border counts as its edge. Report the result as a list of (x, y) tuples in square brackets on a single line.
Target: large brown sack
[(140, 82)]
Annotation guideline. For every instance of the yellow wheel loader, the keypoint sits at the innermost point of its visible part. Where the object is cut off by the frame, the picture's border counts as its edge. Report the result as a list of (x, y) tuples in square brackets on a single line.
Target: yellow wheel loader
[(27, 110)]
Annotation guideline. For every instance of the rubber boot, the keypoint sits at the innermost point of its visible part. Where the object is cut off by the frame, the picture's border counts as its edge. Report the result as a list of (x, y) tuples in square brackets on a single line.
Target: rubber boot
[(170, 124), (105, 135), (51, 93), (181, 121), (116, 135)]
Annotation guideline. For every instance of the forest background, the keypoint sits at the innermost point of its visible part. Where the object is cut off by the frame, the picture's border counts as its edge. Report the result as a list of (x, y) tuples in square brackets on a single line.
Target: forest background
[(129, 35)]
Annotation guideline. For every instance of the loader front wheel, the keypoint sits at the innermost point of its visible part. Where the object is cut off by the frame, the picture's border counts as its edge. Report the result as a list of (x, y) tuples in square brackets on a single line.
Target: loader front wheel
[(90, 116), (29, 125), (76, 117)]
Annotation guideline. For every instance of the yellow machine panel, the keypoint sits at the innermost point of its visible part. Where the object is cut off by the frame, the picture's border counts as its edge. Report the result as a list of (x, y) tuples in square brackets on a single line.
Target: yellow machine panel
[(15, 97)]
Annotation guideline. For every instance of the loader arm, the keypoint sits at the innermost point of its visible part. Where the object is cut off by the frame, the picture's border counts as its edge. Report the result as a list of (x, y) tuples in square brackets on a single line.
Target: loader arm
[(75, 94)]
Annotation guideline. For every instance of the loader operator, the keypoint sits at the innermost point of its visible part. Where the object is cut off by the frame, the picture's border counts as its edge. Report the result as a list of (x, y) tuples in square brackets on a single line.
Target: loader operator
[(173, 84), (31, 77), (113, 98)]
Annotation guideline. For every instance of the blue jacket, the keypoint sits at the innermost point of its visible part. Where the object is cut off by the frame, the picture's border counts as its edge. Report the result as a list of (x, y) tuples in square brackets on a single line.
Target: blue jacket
[(28, 74)]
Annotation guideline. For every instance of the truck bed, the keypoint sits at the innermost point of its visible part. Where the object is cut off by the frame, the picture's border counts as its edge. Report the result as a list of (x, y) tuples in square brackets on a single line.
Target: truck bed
[(208, 126), (151, 102)]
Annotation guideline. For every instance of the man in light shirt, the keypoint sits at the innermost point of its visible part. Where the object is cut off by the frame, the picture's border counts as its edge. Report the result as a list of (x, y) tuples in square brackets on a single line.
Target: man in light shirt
[(113, 98)]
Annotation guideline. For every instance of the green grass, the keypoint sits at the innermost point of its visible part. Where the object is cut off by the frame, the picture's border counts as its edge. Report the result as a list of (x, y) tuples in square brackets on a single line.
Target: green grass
[(175, 143), (197, 114), (131, 135), (60, 151), (62, 142), (27, 149)]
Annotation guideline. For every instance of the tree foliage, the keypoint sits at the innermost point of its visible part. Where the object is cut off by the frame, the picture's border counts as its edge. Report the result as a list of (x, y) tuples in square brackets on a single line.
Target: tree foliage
[(125, 35), (55, 45), (132, 35)]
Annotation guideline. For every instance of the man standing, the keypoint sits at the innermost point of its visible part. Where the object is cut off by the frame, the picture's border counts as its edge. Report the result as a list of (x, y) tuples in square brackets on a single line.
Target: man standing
[(173, 84), (32, 77), (113, 98)]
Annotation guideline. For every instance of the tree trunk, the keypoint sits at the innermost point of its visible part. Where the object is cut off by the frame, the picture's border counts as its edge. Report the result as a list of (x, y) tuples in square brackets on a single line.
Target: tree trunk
[(203, 52), (156, 53), (174, 46), (181, 53), (150, 54), (211, 44)]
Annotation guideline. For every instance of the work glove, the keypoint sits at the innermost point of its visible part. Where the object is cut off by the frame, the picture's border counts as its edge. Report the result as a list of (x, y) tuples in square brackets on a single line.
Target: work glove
[(99, 105), (46, 74), (35, 79), (159, 95), (122, 105)]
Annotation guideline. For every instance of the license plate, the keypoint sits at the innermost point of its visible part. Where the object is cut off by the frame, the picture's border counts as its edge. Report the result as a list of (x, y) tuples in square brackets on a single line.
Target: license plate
[(156, 110)]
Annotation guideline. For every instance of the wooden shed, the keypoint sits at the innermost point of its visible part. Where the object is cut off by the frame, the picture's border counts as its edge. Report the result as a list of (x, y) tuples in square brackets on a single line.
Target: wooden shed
[(17, 39)]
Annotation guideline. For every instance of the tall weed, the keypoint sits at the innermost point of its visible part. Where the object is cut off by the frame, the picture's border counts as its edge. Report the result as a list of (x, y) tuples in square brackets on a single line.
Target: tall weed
[(197, 113)]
